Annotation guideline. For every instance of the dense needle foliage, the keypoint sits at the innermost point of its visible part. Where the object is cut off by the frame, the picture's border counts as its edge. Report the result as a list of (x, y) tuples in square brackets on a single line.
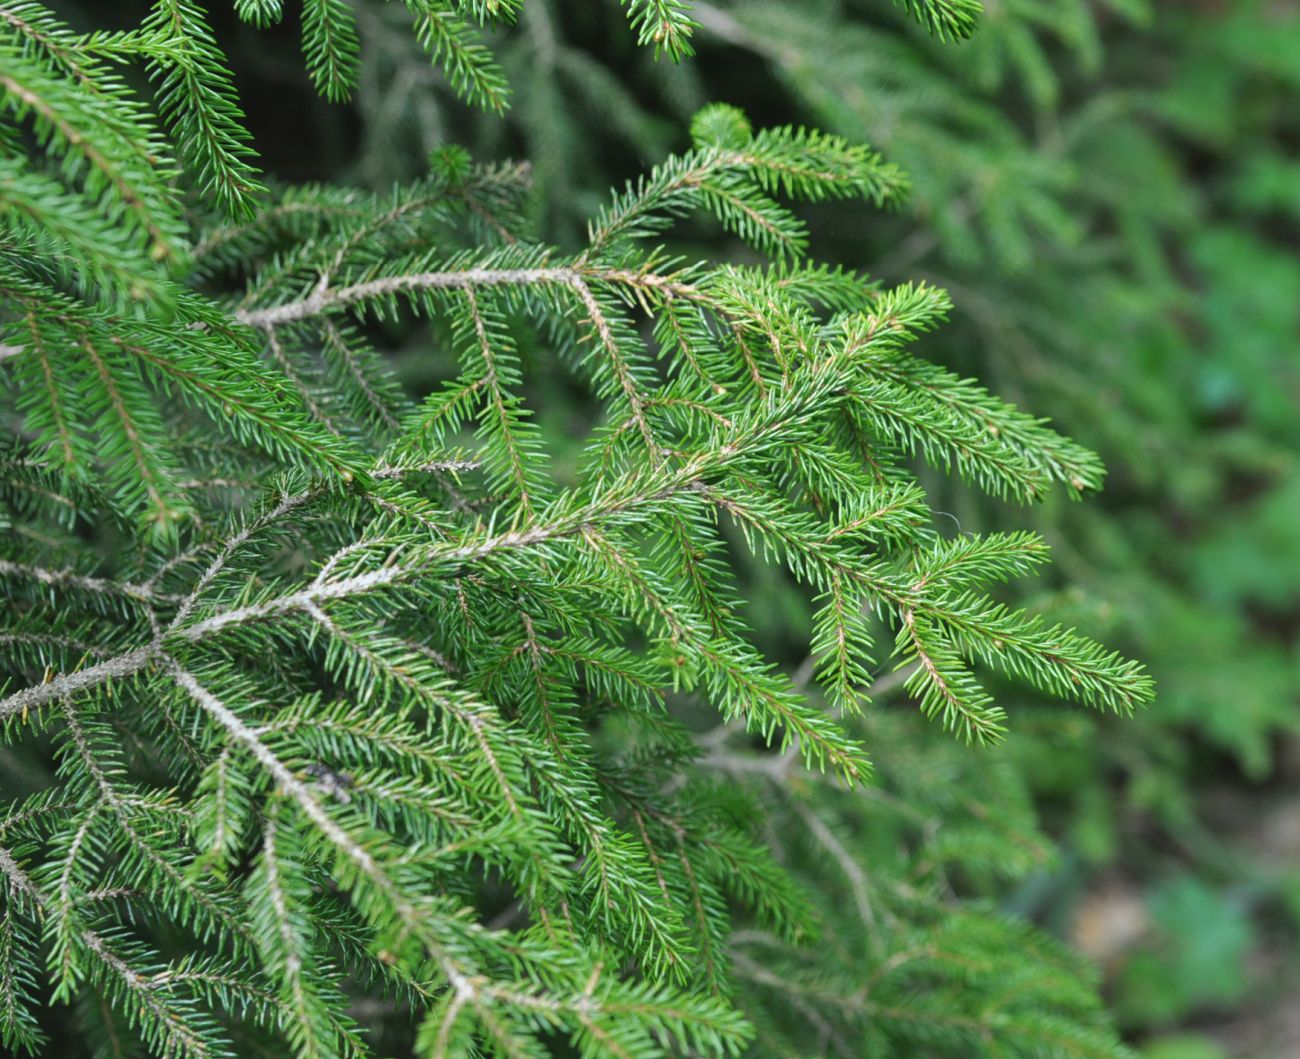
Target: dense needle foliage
[(1108, 190), (343, 723)]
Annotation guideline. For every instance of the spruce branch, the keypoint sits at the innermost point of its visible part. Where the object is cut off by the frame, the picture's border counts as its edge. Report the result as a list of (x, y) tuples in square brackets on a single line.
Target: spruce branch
[(333, 712)]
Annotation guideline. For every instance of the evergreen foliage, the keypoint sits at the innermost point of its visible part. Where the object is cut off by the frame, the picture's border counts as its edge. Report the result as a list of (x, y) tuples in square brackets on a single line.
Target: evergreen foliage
[(1107, 187), (341, 723)]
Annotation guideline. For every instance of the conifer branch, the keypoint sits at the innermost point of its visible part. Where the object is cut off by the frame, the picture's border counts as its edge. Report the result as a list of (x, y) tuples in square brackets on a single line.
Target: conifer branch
[(71, 579), (377, 716), (329, 300)]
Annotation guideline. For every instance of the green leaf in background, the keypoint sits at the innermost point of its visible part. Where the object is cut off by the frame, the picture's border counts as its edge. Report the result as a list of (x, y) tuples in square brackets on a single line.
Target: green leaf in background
[(1183, 1047), (1196, 958)]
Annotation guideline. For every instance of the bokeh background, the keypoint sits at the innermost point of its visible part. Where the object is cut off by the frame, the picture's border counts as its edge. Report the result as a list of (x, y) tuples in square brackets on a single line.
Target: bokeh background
[(1110, 189)]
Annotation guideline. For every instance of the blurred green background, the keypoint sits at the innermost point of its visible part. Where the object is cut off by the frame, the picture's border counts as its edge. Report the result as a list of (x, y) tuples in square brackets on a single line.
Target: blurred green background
[(1110, 189)]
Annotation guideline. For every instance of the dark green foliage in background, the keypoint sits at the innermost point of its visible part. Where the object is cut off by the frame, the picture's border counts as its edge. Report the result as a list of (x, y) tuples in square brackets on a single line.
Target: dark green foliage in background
[(470, 710)]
